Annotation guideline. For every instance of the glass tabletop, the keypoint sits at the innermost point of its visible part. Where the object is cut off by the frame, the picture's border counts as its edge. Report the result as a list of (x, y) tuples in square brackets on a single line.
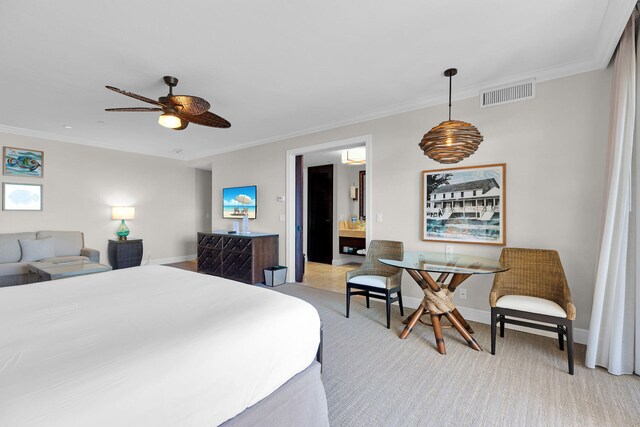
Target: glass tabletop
[(440, 263)]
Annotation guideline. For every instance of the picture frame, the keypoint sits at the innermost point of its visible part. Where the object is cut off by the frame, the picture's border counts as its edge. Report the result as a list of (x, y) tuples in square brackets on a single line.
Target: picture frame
[(465, 205), (22, 162), (238, 202), (21, 197)]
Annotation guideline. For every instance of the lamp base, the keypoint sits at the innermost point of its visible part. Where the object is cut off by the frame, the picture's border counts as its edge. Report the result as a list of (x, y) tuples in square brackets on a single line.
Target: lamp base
[(123, 231)]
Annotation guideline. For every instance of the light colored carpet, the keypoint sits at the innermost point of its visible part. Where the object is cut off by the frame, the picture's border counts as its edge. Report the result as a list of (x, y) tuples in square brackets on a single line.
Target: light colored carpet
[(372, 378)]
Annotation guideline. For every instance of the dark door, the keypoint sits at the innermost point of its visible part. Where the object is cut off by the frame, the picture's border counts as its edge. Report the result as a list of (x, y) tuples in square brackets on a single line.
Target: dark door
[(299, 230), (320, 214)]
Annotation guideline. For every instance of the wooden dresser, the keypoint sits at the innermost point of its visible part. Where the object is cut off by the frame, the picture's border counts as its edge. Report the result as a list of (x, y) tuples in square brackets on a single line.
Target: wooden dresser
[(241, 257)]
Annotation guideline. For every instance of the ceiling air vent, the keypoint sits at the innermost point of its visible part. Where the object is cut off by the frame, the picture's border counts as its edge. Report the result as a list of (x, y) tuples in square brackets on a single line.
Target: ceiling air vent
[(508, 93)]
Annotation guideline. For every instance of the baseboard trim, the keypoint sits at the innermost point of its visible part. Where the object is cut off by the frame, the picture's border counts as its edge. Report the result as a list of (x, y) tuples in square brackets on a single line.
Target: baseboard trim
[(347, 260), (170, 260), (580, 336)]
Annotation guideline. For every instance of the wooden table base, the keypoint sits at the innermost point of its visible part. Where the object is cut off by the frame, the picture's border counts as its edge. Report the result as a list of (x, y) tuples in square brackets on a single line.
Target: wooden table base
[(426, 282)]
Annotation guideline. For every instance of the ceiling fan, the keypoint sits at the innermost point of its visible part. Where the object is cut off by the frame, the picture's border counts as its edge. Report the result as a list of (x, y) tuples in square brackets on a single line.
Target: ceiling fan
[(177, 110)]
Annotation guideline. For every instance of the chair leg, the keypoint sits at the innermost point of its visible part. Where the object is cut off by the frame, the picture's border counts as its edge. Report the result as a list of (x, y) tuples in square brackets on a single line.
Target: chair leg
[(348, 299), (561, 337), (570, 346), (494, 321), (388, 311), (400, 303), (367, 297), (502, 326)]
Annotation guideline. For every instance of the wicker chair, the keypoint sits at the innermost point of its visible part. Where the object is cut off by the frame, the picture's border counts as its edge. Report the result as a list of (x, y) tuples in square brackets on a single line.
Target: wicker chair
[(376, 280), (534, 288)]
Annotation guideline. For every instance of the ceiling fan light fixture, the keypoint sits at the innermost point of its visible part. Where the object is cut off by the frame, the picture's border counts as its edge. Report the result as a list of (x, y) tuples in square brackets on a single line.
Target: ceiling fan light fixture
[(169, 120), (452, 140)]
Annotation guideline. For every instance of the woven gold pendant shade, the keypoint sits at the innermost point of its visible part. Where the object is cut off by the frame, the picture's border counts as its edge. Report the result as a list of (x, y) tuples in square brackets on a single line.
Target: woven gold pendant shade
[(452, 140)]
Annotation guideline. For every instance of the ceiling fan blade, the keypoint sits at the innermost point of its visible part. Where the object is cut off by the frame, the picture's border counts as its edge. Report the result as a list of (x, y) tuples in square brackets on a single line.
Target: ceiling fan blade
[(134, 109), (135, 96), (206, 119), (190, 104)]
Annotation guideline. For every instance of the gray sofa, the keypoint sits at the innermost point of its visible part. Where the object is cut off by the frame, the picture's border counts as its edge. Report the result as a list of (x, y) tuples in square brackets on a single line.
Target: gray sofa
[(67, 246)]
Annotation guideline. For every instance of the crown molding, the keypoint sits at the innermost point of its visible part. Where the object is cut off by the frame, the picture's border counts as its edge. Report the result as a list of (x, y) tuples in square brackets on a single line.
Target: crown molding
[(611, 29)]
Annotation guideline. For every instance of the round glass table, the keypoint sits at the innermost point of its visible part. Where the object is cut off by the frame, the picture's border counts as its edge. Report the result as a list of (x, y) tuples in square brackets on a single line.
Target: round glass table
[(438, 299)]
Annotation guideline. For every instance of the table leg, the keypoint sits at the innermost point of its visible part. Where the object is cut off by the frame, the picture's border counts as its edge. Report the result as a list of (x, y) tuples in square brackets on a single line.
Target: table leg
[(437, 331), (462, 320), (465, 334), (413, 319)]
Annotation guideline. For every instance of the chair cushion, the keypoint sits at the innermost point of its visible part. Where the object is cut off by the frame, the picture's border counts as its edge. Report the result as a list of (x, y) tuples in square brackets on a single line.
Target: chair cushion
[(10, 247), (35, 250), (65, 242), (531, 305), (374, 281)]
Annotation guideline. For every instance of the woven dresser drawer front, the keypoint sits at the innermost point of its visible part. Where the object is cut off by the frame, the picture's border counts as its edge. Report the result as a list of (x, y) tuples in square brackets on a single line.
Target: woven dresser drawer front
[(210, 261), (237, 244), (210, 241), (237, 266)]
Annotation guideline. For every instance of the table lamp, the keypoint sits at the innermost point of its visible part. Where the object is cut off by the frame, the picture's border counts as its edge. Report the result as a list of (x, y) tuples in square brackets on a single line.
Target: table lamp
[(122, 213)]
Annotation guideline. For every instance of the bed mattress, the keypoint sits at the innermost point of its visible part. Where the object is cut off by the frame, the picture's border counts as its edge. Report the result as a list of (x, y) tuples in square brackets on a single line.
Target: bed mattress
[(146, 346)]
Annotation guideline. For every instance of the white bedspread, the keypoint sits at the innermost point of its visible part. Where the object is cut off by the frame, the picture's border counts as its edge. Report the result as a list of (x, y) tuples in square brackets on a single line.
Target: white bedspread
[(146, 346)]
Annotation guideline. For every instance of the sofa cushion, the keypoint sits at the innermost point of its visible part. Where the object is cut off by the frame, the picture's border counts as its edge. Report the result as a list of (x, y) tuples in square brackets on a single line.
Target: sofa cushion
[(65, 243), (13, 268), (10, 247), (63, 259), (35, 250)]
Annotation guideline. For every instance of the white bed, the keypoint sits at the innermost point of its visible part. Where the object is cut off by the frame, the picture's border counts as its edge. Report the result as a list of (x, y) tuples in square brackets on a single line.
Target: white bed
[(146, 346)]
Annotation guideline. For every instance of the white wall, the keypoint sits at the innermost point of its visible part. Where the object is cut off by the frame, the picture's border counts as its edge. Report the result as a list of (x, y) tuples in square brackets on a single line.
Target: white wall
[(203, 200), (81, 183), (554, 148)]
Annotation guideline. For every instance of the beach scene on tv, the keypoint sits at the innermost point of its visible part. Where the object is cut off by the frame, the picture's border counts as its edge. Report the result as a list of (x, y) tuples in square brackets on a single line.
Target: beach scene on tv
[(239, 202)]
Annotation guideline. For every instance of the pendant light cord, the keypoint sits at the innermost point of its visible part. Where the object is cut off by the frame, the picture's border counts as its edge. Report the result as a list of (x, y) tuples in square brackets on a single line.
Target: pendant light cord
[(450, 97)]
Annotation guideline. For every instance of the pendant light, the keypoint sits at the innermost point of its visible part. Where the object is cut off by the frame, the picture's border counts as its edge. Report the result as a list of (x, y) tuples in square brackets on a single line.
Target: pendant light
[(453, 140)]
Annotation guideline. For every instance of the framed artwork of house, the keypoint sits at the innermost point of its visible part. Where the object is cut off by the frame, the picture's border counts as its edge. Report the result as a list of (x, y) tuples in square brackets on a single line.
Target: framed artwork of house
[(22, 162), (465, 205)]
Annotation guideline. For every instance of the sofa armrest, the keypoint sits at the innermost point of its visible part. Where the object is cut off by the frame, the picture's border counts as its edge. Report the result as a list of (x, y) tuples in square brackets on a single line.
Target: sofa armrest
[(92, 254)]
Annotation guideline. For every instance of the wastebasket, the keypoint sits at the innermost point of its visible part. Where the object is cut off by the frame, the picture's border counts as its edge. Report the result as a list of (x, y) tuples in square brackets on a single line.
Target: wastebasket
[(276, 275)]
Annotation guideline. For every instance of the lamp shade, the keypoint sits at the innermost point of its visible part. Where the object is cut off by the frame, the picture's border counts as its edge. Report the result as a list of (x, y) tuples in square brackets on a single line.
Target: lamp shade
[(123, 212), (170, 120), (451, 141), (355, 156)]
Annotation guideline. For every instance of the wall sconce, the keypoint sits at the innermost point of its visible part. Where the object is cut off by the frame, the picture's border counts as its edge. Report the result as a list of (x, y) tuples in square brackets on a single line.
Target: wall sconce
[(353, 192)]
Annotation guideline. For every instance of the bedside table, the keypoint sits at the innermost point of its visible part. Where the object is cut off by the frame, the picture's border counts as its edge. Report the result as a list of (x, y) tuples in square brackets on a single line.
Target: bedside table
[(125, 253)]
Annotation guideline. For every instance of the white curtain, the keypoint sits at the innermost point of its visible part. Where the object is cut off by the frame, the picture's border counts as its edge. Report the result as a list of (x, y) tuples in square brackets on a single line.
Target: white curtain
[(614, 333)]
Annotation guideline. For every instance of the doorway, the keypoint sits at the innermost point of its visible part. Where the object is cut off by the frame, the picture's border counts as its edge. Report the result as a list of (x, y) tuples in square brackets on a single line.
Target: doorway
[(320, 214), (294, 226)]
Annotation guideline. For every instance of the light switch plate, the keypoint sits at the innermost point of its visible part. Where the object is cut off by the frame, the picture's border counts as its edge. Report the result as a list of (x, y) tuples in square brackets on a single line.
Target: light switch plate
[(282, 218), (379, 217)]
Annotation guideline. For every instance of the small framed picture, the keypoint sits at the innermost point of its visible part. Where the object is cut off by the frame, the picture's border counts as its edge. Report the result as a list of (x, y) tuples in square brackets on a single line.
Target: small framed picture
[(21, 197), (23, 162), (465, 205)]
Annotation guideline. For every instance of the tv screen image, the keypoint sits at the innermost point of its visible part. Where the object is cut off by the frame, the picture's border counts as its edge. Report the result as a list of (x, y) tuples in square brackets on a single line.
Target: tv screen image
[(239, 201)]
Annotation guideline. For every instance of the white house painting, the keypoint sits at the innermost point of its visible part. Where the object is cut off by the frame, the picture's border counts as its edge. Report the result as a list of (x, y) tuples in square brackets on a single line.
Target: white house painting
[(465, 205)]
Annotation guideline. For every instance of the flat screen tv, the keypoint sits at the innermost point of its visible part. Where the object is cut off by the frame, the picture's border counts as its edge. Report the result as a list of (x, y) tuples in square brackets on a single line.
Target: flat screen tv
[(239, 201)]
